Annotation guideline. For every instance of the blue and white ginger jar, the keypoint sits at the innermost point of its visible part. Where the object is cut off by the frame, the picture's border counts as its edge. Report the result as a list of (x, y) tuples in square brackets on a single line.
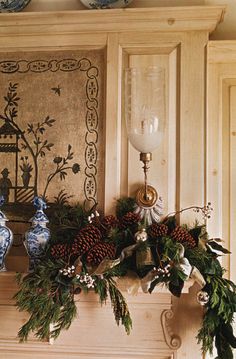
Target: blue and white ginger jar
[(6, 237), (105, 4), (37, 237), (13, 5)]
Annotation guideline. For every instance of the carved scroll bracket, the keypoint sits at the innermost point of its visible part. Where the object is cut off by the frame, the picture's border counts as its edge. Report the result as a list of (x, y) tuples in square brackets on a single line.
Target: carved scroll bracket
[(173, 341)]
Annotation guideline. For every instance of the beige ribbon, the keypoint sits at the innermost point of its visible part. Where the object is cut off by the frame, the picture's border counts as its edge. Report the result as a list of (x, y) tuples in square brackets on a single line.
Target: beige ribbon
[(107, 264), (184, 265), (189, 270)]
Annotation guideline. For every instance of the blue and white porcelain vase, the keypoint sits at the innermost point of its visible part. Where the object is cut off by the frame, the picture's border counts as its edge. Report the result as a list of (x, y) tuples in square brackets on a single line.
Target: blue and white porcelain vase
[(105, 4), (13, 5), (37, 237), (6, 237)]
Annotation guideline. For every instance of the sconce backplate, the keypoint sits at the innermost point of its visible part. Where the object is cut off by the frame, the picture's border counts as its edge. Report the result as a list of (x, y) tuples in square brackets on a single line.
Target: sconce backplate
[(146, 199)]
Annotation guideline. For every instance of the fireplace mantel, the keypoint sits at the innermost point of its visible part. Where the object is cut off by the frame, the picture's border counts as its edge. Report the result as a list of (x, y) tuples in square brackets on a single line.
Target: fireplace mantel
[(174, 38), (94, 332)]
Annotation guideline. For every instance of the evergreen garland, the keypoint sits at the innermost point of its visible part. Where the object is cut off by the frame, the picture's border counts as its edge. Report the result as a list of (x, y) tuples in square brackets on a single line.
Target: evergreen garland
[(48, 294)]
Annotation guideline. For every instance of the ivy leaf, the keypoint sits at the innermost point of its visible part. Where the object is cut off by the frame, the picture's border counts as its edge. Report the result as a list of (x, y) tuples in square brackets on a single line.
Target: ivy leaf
[(154, 283), (217, 247), (175, 289), (195, 232)]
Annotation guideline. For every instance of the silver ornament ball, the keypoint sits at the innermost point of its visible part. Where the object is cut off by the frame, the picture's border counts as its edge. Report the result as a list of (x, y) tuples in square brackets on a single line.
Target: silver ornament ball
[(202, 297)]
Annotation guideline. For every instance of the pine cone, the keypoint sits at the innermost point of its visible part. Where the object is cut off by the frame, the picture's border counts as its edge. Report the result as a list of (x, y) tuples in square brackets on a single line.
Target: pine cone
[(157, 230), (129, 219), (108, 223), (100, 251), (60, 251), (180, 234), (85, 239)]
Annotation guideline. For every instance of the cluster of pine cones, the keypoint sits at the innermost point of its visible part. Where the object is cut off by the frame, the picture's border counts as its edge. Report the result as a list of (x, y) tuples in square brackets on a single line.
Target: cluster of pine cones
[(178, 234), (90, 243), (89, 240)]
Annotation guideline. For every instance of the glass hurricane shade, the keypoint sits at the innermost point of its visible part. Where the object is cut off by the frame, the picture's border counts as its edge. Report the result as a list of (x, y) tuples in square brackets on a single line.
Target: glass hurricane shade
[(145, 107)]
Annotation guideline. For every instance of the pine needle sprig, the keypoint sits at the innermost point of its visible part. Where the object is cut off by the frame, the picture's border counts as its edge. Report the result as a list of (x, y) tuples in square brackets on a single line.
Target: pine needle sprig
[(64, 318), (125, 205), (49, 303), (218, 319), (101, 289), (119, 306), (106, 286)]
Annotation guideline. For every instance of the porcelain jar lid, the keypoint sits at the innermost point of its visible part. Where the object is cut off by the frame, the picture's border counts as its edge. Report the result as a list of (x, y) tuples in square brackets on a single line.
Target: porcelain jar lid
[(39, 216)]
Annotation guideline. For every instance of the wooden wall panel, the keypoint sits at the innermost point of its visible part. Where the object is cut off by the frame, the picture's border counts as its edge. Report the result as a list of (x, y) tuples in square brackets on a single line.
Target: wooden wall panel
[(163, 166), (232, 194), (221, 146)]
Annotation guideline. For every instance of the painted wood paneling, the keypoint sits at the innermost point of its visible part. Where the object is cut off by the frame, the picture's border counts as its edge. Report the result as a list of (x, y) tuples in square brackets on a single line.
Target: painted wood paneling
[(164, 36), (221, 147)]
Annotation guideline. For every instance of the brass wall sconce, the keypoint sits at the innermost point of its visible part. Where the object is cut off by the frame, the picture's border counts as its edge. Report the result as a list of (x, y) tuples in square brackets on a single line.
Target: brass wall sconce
[(145, 122)]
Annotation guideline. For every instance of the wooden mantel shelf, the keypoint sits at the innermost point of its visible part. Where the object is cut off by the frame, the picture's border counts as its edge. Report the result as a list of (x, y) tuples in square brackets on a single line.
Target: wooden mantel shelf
[(165, 19), (8, 288), (150, 314)]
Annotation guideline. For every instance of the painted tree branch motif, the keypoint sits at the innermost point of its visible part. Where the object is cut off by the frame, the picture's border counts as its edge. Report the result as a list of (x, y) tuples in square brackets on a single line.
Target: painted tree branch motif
[(62, 166), (40, 145), (31, 140)]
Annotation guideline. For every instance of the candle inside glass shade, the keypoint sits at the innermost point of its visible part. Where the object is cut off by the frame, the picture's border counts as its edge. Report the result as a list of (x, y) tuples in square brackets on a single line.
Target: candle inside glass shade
[(145, 107)]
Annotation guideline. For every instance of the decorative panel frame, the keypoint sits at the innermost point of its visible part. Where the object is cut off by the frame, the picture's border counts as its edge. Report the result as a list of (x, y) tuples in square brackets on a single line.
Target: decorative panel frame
[(221, 151), (42, 120), (141, 36)]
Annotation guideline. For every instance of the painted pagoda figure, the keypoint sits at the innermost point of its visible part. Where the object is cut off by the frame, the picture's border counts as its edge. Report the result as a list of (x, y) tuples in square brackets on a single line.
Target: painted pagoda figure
[(5, 185), (10, 188)]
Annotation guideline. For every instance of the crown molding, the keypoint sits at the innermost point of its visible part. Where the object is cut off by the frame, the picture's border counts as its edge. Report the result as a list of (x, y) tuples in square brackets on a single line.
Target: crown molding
[(160, 19)]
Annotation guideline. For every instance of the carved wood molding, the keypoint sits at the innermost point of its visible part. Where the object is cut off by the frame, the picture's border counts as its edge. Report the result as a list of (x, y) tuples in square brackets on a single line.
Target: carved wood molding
[(169, 19), (173, 341)]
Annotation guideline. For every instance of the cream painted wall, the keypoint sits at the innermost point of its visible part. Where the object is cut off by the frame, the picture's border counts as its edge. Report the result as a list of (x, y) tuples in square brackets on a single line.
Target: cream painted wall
[(227, 30)]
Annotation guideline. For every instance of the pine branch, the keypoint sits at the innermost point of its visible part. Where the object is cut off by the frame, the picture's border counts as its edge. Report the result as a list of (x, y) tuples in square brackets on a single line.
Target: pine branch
[(119, 306)]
